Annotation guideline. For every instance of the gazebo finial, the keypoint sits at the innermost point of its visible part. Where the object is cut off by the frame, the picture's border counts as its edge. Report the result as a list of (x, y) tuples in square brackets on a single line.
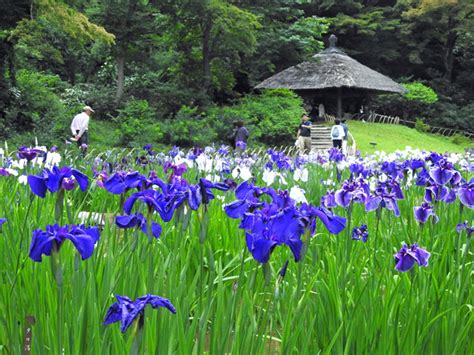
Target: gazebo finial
[(332, 41)]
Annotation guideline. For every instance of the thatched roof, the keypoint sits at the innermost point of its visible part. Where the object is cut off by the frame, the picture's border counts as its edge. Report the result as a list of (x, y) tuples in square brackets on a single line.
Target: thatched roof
[(332, 68)]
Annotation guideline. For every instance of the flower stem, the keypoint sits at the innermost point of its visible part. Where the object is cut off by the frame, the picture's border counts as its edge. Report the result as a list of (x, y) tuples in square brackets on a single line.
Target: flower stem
[(58, 276), (267, 273), (137, 339), (59, 206)]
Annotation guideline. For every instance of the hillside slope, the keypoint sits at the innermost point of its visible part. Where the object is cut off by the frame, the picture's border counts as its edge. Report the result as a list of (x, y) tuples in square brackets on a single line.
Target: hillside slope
[(392, 137)]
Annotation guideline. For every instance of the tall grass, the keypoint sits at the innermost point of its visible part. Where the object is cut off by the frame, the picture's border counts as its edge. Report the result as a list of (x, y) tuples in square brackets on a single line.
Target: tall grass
[(333, 302)]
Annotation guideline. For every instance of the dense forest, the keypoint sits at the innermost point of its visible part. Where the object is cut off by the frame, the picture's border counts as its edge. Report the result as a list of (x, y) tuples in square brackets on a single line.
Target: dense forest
[(178, 72)]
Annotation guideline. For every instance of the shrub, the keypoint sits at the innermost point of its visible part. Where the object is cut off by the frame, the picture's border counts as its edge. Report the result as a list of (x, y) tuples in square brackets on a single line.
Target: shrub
[(420, 92), (421, 126), (419, 100), (190, 128), (37, 110), (100, 98), (137, 125), (460, 139), (272, 117), (451, 115)]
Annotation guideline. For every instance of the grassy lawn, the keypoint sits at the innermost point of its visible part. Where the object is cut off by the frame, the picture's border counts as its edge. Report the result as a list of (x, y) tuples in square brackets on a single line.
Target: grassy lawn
[(392, 137), (387, 138)]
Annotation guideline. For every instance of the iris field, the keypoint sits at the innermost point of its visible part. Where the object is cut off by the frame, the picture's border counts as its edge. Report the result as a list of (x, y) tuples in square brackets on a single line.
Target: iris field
[(215, 251)]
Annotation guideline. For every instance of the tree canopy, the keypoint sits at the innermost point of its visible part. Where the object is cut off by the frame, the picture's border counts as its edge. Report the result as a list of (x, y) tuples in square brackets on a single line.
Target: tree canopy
[(194, 55)]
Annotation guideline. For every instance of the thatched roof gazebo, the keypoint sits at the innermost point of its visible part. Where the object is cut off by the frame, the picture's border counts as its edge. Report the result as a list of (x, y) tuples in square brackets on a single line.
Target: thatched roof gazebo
[(332, 73)]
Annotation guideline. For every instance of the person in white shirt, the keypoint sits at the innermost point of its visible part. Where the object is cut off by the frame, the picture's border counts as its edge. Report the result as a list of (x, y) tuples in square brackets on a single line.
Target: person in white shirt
[(337, 134), (80, 126)]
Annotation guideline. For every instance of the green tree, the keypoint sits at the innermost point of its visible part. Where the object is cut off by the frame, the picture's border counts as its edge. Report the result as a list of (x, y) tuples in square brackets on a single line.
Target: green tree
[(287, 37), (132, 22), (213, 37), (443, 22), (11, 12)]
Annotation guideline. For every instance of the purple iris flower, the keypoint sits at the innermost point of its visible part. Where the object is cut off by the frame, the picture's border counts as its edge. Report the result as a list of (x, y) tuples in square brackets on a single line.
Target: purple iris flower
[(300, 161), (28, 153), (394, 187), (55, 179), (280, 159), (336, 155), (241, 145), (280, 229), (126, 310), (466, 194), (207, 186), (415, 164), (237, 209), (423, 178), (408, 256), (244, 190), (247, 195), (68, 184), (392, 169), (464, 226), (83, 238), (436, 192), (435, 157), (166, 202), (385, 195), (178, 170), (4, 172), (3, 221), (268, 166), (423, 212), (358, 169), (356, 191), (442, 172), (102, 177), (121, 182), (223, 150), (53, 149), (360, 233), (334, 224), (281, 198), (149, 197), (174, 152), (148, 148), (137, 221), (329, 200)]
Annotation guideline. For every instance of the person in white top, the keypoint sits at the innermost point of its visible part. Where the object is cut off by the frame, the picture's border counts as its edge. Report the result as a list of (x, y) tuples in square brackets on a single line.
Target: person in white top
[(80, 126), (337, 134)]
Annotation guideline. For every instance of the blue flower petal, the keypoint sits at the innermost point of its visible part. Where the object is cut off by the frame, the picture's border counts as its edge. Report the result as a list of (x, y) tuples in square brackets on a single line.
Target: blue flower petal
[(37, 185)]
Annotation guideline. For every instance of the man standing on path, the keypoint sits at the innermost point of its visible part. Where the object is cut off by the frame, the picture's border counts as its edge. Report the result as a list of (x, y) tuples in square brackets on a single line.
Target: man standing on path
[(304, 135), (80, 126), (337, 134)]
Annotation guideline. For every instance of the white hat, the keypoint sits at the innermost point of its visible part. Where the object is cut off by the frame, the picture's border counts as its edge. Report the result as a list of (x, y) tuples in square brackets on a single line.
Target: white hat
[(87, 108)]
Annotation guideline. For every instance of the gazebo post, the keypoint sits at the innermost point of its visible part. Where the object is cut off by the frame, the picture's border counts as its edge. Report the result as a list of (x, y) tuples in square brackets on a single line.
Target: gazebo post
[(339, 102)]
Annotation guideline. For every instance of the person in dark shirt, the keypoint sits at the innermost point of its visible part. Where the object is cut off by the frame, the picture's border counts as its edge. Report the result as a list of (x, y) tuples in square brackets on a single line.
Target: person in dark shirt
[(241, 134), (303, 138)]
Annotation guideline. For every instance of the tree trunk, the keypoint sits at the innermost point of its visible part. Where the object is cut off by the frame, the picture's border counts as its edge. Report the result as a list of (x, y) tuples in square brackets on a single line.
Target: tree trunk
[(206, 54), (11, 63), (449, 51), (71, 70), (120, 75)]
